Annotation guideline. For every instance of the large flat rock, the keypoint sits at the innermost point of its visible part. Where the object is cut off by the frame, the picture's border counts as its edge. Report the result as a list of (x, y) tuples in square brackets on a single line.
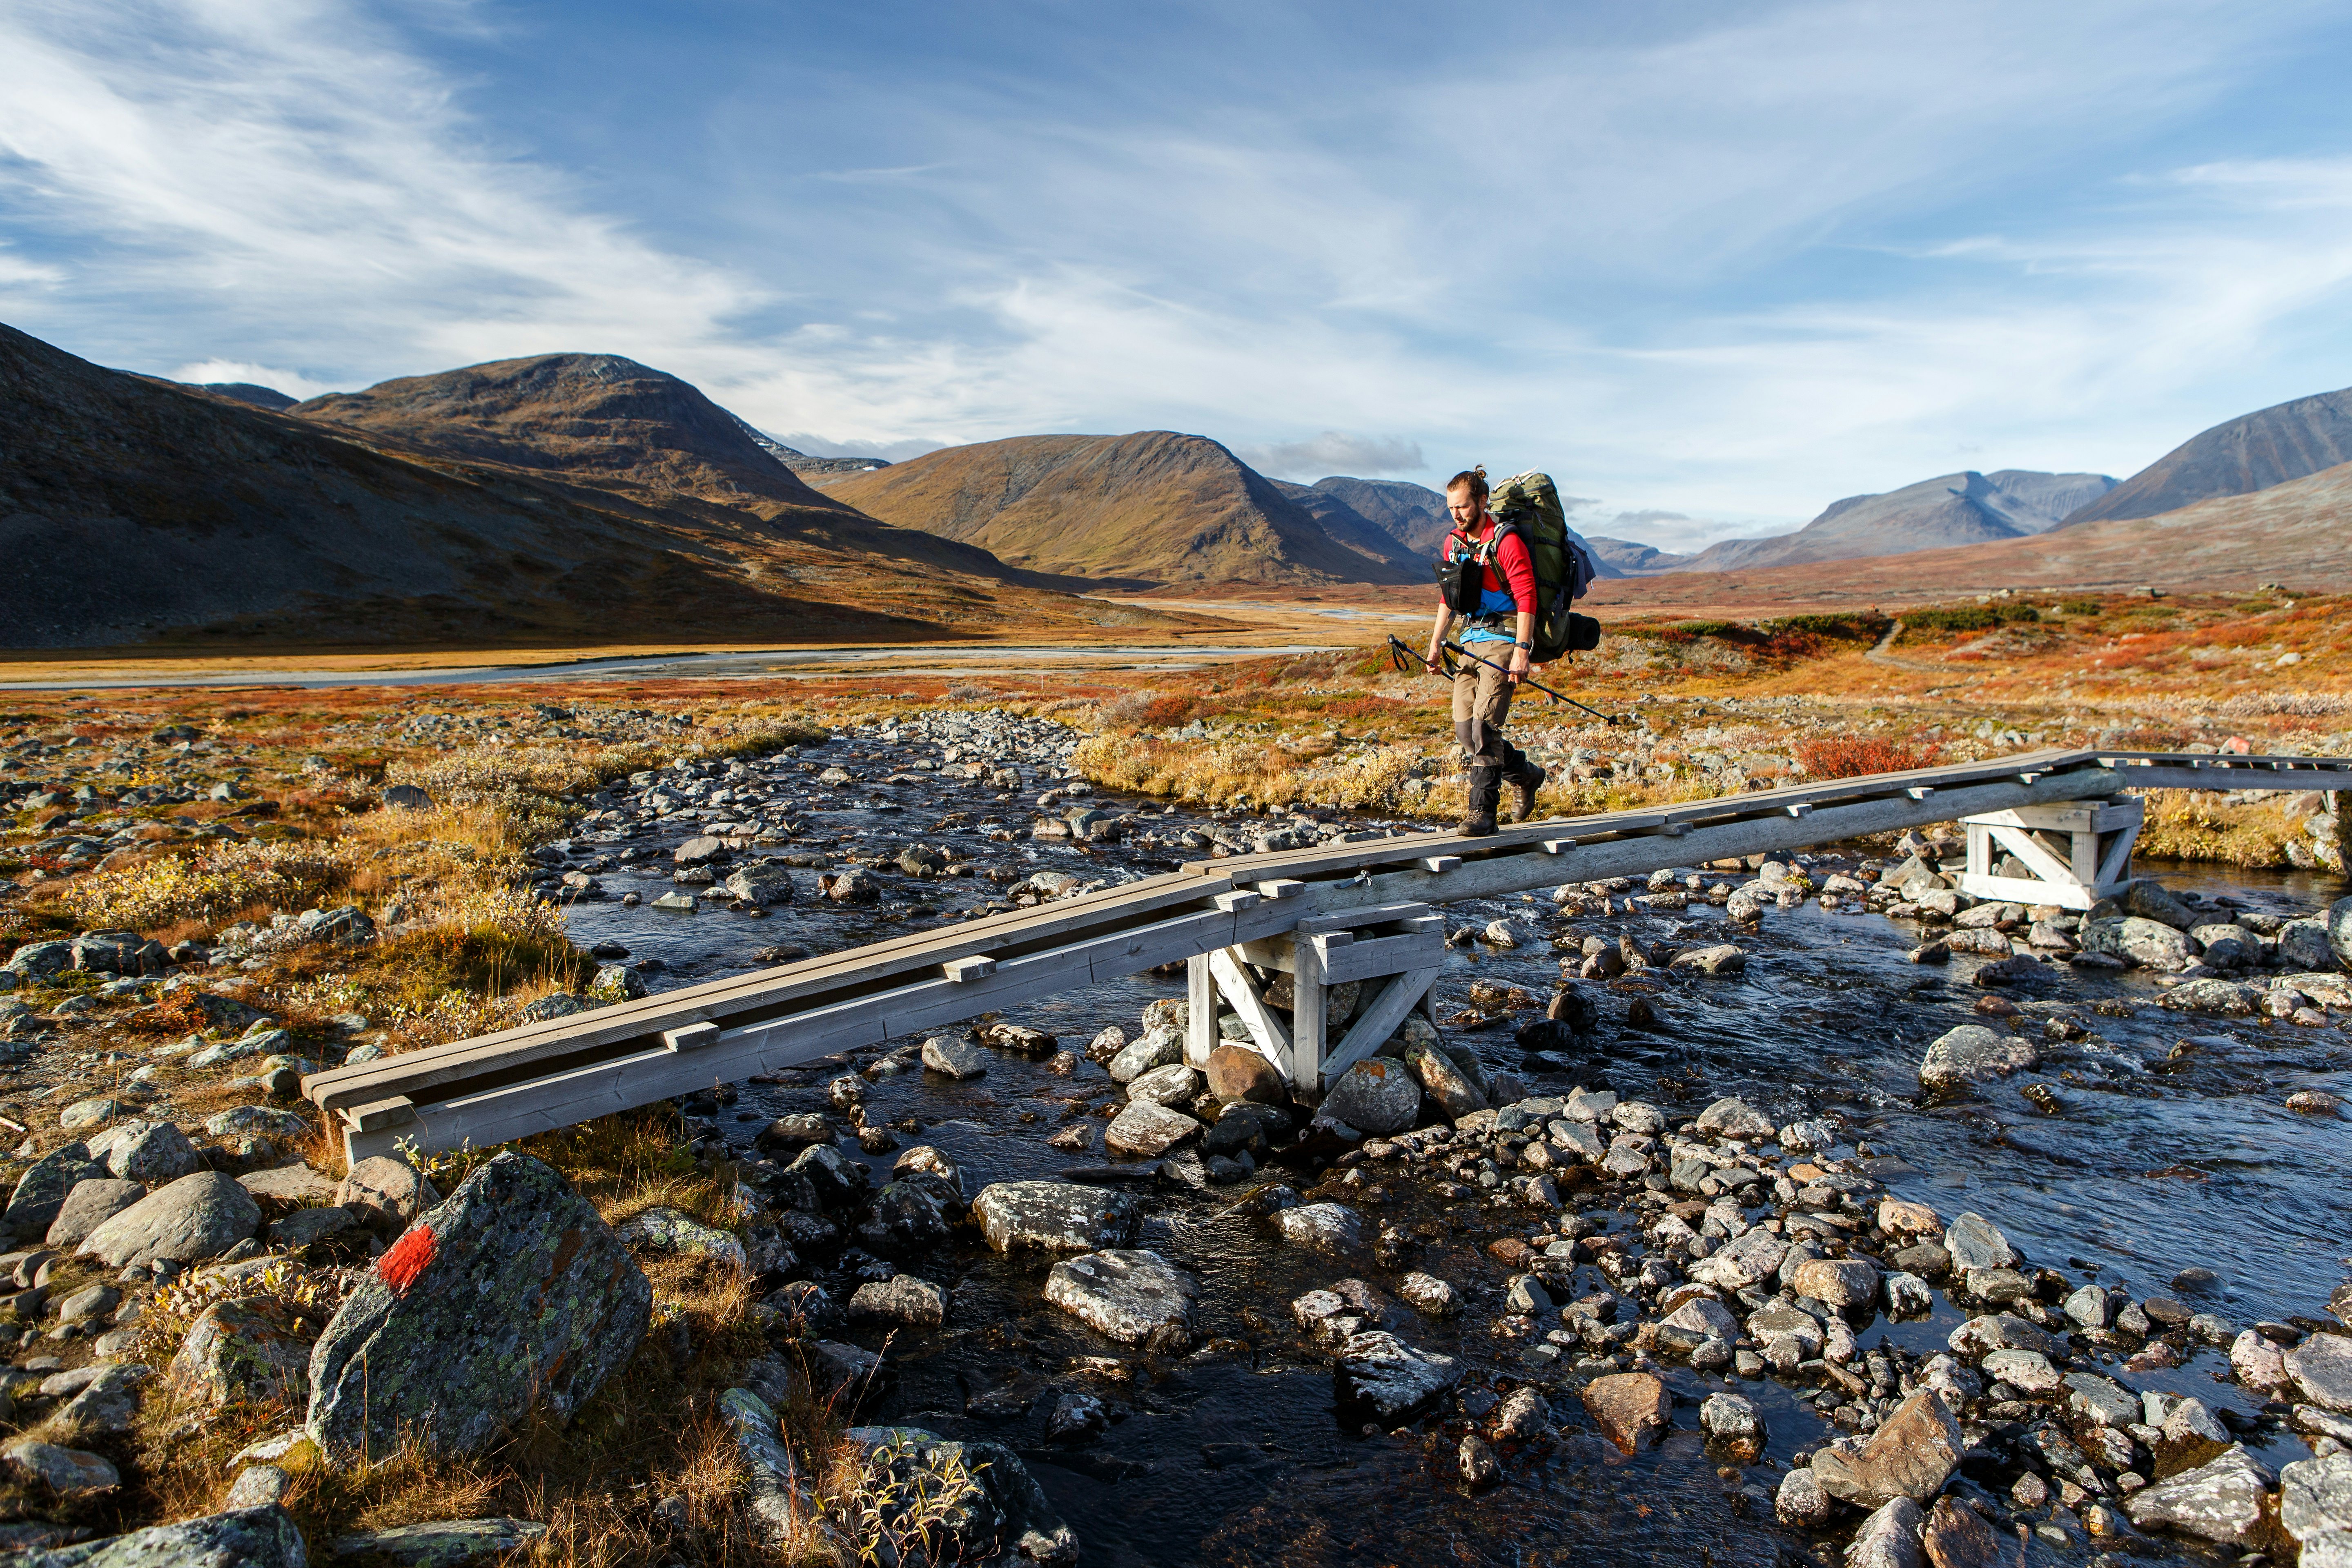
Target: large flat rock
[(1135, 1297)]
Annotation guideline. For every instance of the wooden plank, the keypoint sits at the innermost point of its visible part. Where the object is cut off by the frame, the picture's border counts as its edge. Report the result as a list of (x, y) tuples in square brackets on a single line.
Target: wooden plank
[(693, 1037), (961, 969), (1438, 864), (1374, 1027), (910, 1008), (1384, 955), (1200, 1012), (635, 1026), (2114, 867), (1242, 994), (1637, 857), (2024, 890), (1310, 998), (1355, 920), (2026, 848)]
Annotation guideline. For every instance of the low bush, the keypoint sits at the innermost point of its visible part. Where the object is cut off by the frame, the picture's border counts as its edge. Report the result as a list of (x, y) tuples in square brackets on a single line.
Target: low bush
[(1851, 756)]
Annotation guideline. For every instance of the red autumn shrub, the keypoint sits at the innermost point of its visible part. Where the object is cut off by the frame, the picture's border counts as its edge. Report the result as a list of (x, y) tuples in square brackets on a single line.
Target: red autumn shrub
[(1850, 756)]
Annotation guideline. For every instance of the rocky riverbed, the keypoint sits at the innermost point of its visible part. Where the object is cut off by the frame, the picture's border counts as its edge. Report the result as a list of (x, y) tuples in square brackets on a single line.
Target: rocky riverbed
[(1772, 1211)]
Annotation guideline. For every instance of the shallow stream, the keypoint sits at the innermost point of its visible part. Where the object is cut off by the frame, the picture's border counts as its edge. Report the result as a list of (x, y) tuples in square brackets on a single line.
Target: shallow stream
[(2172, 1149)]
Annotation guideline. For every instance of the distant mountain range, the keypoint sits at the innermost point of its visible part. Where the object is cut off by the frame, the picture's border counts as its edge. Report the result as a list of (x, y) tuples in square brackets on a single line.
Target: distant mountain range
[(1154, 509), (2245, 454), (1624, 558), (570, 498), (1934, 514), (583, 498)]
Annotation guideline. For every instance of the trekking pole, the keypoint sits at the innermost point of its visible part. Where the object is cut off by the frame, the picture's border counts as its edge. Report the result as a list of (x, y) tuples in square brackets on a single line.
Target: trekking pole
[(1398, 652)]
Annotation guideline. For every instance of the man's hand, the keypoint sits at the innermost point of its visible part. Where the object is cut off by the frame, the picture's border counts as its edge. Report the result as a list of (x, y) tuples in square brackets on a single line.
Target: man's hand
[(1519, 667), (1428, 660)]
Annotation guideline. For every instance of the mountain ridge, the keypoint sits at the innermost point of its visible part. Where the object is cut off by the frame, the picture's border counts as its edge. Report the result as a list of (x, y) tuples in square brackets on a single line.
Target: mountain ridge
[(1964, 508), (217, 519), (1149, 509), (2243, 456)]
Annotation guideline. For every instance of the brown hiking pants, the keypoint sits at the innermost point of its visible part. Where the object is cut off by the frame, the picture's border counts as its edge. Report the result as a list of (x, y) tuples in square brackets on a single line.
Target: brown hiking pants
[(1482, 700)]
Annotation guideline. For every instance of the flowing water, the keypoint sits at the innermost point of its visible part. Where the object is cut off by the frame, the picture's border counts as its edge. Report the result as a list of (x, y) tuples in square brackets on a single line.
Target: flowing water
[(2164, 1155)]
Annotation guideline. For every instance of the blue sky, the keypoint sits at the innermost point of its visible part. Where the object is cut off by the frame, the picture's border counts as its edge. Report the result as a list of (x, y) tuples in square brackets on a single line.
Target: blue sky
[(1713, 266)]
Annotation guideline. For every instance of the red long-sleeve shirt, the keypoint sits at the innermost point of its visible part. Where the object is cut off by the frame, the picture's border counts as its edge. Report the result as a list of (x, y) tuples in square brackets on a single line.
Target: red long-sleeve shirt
[(1511, 589)]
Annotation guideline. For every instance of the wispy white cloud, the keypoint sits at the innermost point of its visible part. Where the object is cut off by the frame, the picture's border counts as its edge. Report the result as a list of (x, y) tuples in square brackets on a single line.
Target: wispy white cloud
[(1713, 270), (1335, 452), (293, 383)]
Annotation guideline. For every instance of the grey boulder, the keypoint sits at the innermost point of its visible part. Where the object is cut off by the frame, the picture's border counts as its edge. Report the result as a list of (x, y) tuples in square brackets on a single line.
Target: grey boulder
[(1376, 1096), (90, 1204), (1057, 1217), (1974, 1054), (512, 1295), (242, 1538), (148, 1152), (41, 1190), (1135, 1297), (193, 1218), (2220, 1501)]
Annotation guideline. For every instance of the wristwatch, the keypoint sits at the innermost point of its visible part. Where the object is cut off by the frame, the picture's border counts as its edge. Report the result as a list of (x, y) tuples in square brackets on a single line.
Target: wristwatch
[(1525, 644)]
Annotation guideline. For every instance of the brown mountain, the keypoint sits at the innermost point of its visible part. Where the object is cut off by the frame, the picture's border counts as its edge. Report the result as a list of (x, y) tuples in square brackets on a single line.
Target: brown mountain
[(137, 511), (2248, 454), (1154, 508)]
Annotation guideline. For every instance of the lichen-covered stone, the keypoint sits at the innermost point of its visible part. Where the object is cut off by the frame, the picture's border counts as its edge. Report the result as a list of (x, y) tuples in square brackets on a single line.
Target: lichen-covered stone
[(252, 1351), (2221, 1501), (513, 1294), (241, 1538), (1059, 1216), (439, 1542), (148, 1152), (1395, 1378), (195, 1217), (668, 1230), (1378, 1096), (1009, 1509), (1135, 1297)]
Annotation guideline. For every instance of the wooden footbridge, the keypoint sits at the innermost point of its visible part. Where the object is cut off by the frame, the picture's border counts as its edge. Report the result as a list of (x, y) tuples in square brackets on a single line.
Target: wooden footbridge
[(1326, 916)]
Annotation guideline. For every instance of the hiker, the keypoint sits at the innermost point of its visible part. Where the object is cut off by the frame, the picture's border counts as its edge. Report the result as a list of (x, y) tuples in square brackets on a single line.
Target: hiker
[(1502, 631)]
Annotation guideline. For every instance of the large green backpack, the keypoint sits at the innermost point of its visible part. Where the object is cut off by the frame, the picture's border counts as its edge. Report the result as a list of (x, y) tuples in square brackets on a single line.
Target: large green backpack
[(1529, 503)]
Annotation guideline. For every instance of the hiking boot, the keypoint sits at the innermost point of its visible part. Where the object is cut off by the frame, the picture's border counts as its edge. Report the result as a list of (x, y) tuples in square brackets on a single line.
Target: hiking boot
[(1478, 815), (1524, 780)]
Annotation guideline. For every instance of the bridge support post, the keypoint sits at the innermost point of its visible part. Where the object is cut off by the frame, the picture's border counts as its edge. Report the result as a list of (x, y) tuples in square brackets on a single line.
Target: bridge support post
[(1391, 953), (2075, 852), (1200, 1012)]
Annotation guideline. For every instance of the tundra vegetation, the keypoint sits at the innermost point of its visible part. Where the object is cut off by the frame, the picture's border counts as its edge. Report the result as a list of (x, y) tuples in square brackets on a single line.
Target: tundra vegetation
[(204, 896)]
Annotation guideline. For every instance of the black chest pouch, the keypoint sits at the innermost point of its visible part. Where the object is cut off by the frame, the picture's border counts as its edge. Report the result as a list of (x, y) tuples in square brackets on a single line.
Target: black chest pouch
[(1462, 583)]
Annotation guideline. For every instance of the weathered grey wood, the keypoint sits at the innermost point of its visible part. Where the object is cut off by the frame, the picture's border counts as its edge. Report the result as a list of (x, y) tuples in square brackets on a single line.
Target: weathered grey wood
[(1308, 1001), (1240, 990), (1376, 1023), (1200, 1012), (1639, 855), (550, 1075), (630, 1025), (1368, 960)]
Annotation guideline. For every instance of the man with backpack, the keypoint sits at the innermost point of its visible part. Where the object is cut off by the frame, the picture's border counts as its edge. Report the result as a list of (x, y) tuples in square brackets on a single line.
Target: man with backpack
[(1488, 575)]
